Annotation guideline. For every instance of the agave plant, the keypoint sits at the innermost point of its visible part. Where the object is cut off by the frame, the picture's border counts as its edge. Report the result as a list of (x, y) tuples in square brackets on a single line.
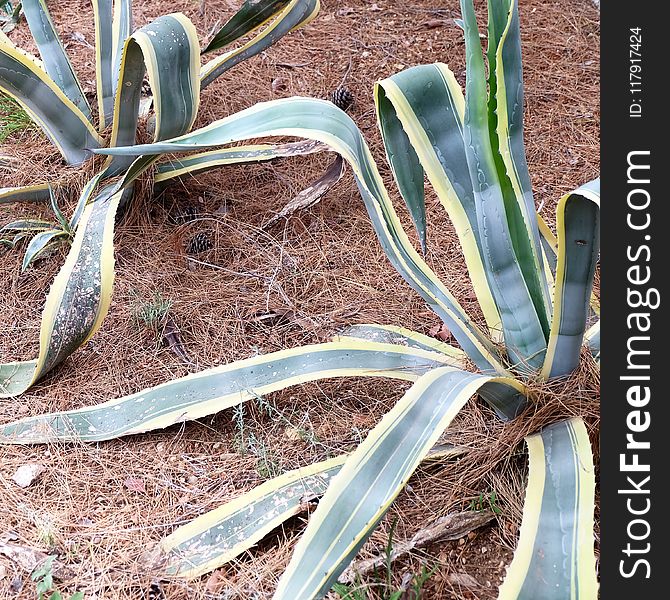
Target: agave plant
[(534, 289), (168, 51), (9, 15)]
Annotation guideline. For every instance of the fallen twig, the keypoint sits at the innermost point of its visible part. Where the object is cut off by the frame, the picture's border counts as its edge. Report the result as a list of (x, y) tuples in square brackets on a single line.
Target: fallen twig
[(172, 339), (449, 527), (311, 195)]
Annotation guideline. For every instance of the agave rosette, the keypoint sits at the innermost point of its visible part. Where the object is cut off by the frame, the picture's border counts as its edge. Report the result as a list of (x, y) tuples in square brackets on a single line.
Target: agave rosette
[(168, 51), (534, 288)]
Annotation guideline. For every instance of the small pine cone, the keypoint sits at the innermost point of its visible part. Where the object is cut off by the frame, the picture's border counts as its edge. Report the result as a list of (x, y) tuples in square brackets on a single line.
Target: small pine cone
[(200, 242), (146, 88), (155, 592), (342, 98), (184, 213)]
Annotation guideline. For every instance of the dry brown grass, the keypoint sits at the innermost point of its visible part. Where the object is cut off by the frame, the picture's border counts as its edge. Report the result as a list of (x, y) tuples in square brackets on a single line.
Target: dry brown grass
[(324, 265)]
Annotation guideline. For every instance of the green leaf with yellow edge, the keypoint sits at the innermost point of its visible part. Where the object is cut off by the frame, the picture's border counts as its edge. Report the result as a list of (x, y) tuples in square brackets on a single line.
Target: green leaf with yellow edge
[(554, 559), (102, 14), (205, 393), (37, 193), (523, 327), (168, 50), (322, 121), (55, 60), (27, 225), (285, 17), (77, 301), (23, 78), (423, 108), (373, 475), (252, 15), (220, 535), (206, 161), (42, 243), (505, 109), (578, 234), (393, 334)]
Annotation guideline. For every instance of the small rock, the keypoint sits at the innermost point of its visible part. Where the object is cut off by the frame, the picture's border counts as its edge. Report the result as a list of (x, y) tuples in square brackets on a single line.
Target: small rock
[(17, 584), (27, 473)]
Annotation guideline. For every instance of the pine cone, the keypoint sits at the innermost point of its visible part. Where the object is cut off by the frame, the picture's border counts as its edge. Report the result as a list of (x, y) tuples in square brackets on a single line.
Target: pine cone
[(184, 213), (200, 242), (342, 98), (155, 592)]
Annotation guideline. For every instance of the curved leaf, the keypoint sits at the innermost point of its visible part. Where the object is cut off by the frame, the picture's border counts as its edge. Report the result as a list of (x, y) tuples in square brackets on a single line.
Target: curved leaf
[(168, 49), (38, 192), (40, 244), (392, 334), (205, 161), (210, 391), (428, 103), (293, 15), (84, 198), (578, 232), (56, 63), (373, 476), (554, 559), (27, 225), (251, 16), (405, 164), (321, 120), (63, 123), (310, 195), (523, 328), (222, 534), (77, 301)]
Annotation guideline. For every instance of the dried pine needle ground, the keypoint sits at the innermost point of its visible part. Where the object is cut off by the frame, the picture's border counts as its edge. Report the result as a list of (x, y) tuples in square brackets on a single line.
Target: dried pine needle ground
[(324, 268)]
